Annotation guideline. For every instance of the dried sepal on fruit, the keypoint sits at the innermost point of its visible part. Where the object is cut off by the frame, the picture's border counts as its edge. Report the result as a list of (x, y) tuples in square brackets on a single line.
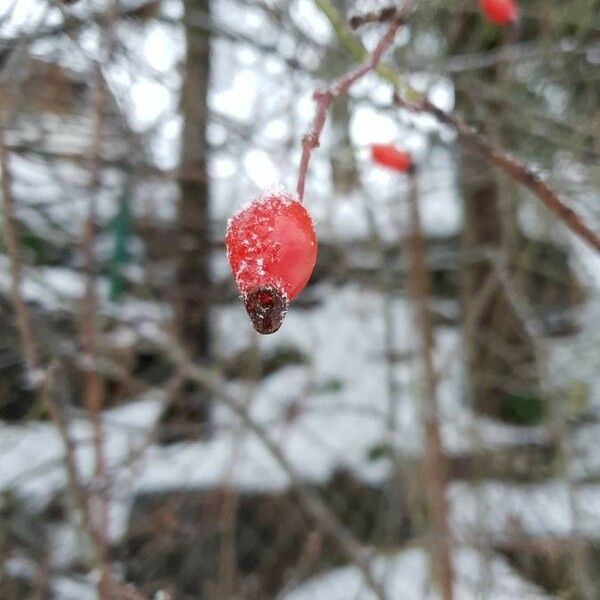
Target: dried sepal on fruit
[(272, 250)]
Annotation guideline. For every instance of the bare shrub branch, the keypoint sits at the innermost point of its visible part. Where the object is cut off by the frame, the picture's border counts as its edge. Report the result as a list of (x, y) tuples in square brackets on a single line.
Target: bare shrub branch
[(511, 166), (324, 98)]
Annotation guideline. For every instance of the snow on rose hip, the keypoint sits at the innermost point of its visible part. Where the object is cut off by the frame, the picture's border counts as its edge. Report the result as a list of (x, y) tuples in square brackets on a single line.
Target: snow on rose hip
[(272, 250)]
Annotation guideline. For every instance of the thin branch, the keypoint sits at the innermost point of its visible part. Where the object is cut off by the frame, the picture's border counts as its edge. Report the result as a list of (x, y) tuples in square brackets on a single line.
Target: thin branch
[(310, 500), (324, 99), (43, 380), (557, 426), (355, 48), (56, 412), (435, 468), (93, 380), (387, 13), (24, 321), (515, 53), (511, 166)]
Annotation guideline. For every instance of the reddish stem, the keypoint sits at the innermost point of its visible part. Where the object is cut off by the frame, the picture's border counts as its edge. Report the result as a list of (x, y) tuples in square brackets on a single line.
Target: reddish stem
[(323, 100), (513, 168)]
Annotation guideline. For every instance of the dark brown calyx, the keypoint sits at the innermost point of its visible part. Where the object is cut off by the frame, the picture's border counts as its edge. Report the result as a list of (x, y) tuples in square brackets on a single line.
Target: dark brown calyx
[(267, 308)]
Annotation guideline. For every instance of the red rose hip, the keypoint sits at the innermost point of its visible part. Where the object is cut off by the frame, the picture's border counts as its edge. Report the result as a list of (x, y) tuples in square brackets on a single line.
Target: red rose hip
[(499, 12), (387, 155), (272, 250)]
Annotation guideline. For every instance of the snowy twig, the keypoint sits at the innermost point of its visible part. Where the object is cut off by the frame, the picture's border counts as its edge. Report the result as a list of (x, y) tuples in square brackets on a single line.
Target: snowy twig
[(324, 98), (511, 166)]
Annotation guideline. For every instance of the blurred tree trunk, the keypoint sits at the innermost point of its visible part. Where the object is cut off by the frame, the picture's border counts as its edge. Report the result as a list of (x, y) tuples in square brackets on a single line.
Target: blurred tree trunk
[(343, 165), (188, 414), (500, 355)]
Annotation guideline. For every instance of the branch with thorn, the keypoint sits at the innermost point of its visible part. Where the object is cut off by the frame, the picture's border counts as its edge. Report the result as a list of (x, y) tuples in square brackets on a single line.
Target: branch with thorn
[(412, 100), (510, 165), (324, 98)]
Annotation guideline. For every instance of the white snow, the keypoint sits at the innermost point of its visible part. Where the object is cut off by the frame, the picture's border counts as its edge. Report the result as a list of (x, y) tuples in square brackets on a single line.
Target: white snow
[(31, 455), (498, 510), (335, 429), (405, 575)]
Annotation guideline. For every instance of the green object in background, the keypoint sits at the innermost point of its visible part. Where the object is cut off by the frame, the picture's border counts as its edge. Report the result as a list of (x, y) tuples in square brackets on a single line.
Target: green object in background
[(379, 451), (329, 386), (577, 398), (523, 409)]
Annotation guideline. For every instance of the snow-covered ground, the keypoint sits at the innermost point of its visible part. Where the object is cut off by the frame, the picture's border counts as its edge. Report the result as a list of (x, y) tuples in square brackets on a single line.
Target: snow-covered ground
[(333, 425), (406, 575)]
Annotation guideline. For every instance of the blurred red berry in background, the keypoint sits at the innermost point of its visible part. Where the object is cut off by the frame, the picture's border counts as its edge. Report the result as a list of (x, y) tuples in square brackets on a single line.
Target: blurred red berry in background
[(387, 155), (499, 12)]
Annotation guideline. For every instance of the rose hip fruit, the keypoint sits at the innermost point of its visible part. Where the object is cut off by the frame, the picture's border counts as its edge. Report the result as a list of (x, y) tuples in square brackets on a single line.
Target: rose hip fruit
[(272, 250), (387, 155), (499, 12)]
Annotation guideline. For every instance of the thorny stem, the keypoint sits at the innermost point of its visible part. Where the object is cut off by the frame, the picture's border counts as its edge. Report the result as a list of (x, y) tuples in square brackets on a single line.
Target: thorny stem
[(511, 166), (324, 98)]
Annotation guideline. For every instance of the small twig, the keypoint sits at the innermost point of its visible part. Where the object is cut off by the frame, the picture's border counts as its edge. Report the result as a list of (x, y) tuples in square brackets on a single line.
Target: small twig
[(324, 99), (94, 385), (383, 15), (310, 500), (435, 468), (78, 488), (24, 321), (579, 568), (43, 380), (511, 166), (57, 415)]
